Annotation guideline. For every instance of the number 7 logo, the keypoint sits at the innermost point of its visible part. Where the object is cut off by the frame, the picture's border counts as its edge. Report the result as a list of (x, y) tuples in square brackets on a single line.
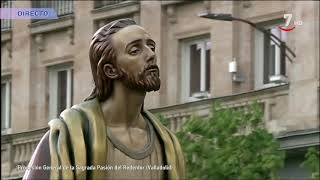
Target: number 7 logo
[(288, 19)]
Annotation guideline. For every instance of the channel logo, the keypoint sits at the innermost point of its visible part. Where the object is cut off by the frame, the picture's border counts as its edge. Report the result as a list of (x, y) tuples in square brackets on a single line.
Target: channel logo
[(289, 25)]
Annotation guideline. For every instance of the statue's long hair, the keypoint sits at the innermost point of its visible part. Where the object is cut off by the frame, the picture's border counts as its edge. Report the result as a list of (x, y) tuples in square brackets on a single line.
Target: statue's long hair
[(102, 52)]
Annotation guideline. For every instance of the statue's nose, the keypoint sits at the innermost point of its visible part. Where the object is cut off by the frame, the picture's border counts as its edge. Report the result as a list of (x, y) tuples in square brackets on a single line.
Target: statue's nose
[(151, 56)]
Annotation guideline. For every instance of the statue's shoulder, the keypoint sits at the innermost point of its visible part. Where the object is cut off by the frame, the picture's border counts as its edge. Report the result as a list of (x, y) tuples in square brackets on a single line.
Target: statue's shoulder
[(87, 105), (72, 118), (78, 111)]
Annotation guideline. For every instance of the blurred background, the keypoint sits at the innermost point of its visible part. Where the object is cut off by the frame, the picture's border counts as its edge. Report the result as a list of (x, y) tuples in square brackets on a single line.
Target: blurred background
[(45, 67)]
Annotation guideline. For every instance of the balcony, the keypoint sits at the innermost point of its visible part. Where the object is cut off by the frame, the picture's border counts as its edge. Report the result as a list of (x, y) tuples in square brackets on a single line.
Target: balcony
[(17, 149), (268, 97), (100, 4), (6, 23), (61, 7)]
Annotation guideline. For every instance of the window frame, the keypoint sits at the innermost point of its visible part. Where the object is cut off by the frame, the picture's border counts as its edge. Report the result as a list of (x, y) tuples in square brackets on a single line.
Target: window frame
[(259, 52), (53, 88), (6, 80), (185, 70)]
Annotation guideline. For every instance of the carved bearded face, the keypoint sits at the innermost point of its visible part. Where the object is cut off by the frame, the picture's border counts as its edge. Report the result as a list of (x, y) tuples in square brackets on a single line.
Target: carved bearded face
[(136, 60)]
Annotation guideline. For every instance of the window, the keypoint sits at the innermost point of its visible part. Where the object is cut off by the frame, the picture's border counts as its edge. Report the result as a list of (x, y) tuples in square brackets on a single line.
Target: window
[(5, 103), (268, 57), (60, 90), (6, 23), (196, 69)]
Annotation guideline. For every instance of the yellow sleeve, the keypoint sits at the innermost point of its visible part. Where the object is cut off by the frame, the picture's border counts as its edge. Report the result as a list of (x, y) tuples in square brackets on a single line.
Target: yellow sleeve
[(58, 143), (67, 146)]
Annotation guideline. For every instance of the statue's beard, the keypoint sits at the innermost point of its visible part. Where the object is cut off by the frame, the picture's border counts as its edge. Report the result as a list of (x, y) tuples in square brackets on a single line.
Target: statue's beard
[(147, 80)]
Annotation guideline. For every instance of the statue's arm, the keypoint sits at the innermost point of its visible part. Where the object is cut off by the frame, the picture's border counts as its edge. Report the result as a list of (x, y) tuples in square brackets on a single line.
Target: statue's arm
[(40, 157)]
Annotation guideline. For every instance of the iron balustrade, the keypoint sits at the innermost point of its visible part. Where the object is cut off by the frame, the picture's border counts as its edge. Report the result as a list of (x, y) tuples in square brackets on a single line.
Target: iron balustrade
[(99, 4), (61, 7)]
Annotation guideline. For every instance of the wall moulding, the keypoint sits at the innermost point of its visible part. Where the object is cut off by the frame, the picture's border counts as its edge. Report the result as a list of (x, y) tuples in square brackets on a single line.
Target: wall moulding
[(101, 22), (58, 60), (70, 33), (172, 2), (172, 15), (108, 12), (6, 36), (46, 26), (267, 17), (191, 32), (39, 42), (6, 72), (246, 4), (9, 48), (207, 5), (40, 28)]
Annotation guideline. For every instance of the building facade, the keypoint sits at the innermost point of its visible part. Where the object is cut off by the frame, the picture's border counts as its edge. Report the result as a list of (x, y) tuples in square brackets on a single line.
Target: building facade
[(45, 67)]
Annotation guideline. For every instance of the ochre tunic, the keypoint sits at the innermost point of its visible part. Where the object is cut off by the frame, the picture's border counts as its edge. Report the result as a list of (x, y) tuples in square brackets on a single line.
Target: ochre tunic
[(121, 166)]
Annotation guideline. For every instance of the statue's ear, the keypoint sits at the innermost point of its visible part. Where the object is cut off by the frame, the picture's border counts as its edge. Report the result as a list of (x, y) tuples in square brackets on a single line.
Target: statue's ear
[(111, 71)]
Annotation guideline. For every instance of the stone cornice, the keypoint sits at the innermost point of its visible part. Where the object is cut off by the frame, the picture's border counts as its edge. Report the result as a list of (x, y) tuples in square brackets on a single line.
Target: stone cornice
[(5, 72), (45, 26), (5, 36), (58, 60), (299, 139), (119, 9), (23, 135), (166, 3)]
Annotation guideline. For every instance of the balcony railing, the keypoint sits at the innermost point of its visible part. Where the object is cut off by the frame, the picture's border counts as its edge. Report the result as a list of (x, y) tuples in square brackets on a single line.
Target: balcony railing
[(61, 7), (99, 4), (178, 114), (17, 149), (6, 23)]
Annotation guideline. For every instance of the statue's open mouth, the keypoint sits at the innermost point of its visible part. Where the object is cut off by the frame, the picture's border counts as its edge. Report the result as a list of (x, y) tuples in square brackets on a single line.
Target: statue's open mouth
[(152, 68)]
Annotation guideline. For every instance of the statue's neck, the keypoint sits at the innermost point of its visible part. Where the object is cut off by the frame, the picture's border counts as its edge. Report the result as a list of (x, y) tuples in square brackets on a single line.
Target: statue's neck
[(123, 107)]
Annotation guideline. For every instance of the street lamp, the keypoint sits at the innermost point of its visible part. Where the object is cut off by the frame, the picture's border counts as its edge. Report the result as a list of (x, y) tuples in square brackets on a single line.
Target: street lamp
[(228, 17)]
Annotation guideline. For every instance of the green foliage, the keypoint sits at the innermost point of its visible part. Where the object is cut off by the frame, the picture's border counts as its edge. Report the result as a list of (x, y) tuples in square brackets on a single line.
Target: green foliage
[(312, 162), (163, 120), (230, 144)]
